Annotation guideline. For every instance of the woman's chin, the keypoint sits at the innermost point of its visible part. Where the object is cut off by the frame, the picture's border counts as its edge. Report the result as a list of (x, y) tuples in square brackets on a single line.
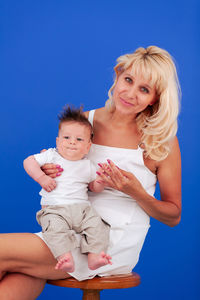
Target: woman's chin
[(125, 110)]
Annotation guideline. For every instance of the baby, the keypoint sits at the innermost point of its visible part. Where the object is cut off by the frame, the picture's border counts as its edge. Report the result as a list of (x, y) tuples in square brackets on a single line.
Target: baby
[(66, 209)]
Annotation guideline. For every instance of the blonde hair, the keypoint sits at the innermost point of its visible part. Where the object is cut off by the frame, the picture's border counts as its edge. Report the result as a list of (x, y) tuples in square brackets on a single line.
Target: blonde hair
[(158, 122)]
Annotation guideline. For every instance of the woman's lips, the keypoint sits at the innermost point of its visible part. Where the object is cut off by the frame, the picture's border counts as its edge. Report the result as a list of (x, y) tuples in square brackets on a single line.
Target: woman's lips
[(125, 102)]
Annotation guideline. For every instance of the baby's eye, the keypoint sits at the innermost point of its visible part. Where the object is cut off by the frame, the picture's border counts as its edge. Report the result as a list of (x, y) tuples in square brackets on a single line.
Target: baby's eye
[(144, 89), (66, 137), (79, 139), (128, 79)]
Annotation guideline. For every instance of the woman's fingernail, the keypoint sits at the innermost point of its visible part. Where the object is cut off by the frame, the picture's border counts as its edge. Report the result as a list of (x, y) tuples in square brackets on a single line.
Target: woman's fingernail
[(60, 169), (58, 174), (108, 160), (100, 165), (98, 173), (57, 166)]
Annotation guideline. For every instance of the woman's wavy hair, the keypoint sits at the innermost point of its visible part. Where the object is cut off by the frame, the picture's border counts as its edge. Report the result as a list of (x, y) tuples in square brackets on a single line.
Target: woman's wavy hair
[(158, 122)]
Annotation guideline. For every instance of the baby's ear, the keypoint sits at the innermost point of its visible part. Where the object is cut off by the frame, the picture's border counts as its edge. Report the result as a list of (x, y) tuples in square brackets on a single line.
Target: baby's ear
[(89, 145)]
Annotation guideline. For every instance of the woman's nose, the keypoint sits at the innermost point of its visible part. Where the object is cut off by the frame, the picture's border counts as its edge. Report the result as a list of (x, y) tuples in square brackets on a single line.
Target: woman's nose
[(132, 92)]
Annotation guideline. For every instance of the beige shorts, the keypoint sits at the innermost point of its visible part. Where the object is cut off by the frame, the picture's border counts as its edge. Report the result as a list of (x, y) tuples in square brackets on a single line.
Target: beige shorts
[(60, 223)]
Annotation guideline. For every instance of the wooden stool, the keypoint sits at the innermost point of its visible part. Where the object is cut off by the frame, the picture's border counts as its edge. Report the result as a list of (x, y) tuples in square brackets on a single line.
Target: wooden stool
[(92, 287)]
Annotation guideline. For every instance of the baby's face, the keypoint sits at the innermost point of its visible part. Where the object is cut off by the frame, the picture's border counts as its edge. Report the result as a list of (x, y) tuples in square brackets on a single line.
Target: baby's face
[(73, 141)]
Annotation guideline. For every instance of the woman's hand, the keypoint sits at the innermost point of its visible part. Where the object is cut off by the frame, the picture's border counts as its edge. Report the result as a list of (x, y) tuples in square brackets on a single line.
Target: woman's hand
[(123, 181), (52, 170), (168, 209)]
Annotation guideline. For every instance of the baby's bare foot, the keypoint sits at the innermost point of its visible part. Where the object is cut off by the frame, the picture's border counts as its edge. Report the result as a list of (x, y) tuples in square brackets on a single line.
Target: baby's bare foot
[(96, 261), (65, 263)]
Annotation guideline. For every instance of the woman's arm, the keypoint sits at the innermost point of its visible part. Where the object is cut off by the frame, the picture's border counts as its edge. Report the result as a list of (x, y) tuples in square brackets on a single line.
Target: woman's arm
[(168, 210)]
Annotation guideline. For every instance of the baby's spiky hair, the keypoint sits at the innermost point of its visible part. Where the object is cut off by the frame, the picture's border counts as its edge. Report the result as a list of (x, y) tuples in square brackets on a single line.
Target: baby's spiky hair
[(72, 114)]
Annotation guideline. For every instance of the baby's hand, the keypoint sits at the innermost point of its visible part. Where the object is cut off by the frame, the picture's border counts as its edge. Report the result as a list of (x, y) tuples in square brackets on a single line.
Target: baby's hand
[(47, 183)]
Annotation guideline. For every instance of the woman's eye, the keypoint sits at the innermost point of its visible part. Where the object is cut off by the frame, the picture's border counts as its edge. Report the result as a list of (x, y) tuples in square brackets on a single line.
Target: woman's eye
[(128, 79), (144, 89)]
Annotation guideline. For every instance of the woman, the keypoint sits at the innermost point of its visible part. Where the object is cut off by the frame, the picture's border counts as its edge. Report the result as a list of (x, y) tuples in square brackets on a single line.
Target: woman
[(134, 140)]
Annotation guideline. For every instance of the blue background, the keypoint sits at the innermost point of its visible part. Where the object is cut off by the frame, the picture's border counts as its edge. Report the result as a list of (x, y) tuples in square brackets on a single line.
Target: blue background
[(57, 52)]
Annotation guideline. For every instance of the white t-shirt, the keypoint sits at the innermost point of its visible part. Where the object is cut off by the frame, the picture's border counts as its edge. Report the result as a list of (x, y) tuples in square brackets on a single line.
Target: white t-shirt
[(72, 185)]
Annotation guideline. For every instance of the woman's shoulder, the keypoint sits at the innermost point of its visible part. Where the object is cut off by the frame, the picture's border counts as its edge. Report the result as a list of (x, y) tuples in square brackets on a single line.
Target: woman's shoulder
[(174, 156), (99, 112), (172, 159)]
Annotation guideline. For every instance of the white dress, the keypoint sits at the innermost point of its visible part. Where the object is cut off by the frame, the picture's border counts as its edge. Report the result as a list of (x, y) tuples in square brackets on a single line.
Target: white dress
[(129, 223)]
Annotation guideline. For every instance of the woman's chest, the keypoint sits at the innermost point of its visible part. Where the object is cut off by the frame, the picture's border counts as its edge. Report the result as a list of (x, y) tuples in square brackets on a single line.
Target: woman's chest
[(130, 160), (115, 137), (122, 139)]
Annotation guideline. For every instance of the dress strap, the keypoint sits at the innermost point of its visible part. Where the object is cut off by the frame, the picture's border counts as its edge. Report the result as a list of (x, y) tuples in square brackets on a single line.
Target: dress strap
[(91, 116)]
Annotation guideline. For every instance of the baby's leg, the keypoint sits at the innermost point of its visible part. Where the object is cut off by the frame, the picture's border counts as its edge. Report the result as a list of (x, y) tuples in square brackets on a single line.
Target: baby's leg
[(65, 262), (95, 239), (97, 260)]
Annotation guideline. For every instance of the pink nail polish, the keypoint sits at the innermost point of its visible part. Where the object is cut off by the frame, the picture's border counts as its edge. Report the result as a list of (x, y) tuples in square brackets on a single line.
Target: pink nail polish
[(98, 173), (58, 166), (58, 174), (100, 165), (108, 160)]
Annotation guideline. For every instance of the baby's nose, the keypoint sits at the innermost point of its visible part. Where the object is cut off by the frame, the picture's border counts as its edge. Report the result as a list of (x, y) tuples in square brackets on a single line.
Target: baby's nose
[(73, 141)]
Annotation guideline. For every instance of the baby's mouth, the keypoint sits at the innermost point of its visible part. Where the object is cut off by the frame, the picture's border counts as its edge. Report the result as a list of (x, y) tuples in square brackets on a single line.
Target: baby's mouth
[(71, 148)]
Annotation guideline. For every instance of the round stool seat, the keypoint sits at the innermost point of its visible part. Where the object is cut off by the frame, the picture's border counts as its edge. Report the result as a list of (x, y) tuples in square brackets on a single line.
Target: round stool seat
[(95, 285)]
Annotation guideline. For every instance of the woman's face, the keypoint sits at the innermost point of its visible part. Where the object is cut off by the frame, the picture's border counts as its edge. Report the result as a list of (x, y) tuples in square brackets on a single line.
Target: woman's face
[(132, 94)]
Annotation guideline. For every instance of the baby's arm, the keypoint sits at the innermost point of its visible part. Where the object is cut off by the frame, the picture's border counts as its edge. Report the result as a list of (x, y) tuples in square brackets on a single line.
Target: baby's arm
[(96, 186), (33, 169)]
